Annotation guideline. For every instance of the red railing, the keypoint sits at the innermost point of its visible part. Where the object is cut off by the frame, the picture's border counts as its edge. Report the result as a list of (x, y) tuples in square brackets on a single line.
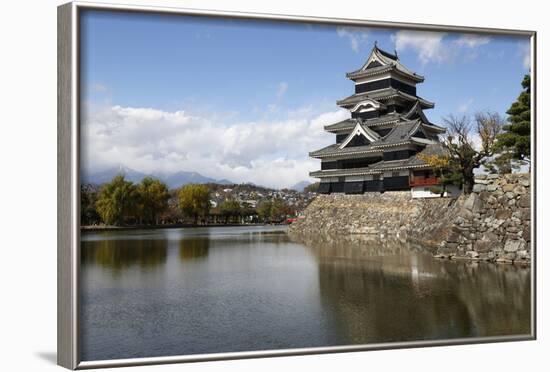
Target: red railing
[(423, 181)]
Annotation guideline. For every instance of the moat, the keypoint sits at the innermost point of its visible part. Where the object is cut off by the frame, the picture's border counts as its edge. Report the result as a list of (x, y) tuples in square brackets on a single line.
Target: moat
[(221, 289)]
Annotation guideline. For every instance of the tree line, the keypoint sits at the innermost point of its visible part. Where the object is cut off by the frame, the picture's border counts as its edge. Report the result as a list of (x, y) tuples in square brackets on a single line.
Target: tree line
[(488, 140), (150, 202)]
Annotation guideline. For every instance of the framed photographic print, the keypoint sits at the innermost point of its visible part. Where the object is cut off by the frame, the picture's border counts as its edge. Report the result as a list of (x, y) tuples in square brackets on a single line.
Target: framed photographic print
[(235, 185)]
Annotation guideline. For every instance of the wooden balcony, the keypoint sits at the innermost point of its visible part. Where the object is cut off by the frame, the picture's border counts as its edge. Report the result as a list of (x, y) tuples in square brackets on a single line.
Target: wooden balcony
[(423, 181)]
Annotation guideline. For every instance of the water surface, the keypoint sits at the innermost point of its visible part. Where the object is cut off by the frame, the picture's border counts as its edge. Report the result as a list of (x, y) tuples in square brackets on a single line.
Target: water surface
[(169, 292)]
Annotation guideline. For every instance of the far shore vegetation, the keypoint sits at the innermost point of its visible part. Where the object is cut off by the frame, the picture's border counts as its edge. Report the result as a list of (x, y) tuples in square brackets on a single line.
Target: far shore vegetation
[(123, 203)]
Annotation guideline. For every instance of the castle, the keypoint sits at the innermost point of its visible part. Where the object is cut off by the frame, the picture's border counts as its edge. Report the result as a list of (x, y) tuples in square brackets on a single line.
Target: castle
[(376, 148)]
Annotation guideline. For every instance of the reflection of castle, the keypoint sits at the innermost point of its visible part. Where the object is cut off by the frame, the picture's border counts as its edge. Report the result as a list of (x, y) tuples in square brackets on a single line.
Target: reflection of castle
[(376, 148), (387, 291)]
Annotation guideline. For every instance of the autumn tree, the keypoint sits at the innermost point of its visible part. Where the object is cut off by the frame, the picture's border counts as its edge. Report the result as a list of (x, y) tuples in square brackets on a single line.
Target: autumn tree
[(279, 210), (117, 201), (441, 165), (153, 199), (464, 154), (194, 201), (264, 210), (230, 209)]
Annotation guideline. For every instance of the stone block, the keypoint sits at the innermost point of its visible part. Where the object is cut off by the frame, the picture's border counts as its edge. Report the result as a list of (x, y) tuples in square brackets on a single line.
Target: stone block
[(464, 214), (491, 200), (525, 214), (503, 214), (446, 251), (469, 202), (510, 177), (510, 256), (489, 241), (484, 195), (482, 181), (479, 187), (478, 205), (514, 245), (525, 201), (526, 233), (520, 190), (507, 188)]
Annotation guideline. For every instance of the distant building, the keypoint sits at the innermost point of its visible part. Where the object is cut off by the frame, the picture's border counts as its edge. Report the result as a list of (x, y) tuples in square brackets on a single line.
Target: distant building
[(375, 149), (250, 202)]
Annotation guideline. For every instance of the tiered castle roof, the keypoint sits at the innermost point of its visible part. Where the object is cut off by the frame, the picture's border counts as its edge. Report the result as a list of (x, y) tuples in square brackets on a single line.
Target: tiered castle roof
[(387, 114), (381, 61)]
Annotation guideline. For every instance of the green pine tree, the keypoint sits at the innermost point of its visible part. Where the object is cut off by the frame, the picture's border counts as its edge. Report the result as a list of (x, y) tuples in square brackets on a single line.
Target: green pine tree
[(515, 141)]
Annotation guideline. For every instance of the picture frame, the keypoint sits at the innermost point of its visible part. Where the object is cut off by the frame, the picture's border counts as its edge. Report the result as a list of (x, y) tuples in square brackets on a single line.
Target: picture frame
[(68, 181)]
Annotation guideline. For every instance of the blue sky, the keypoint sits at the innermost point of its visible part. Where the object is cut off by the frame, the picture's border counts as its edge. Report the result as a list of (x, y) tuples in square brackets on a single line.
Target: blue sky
[(207, 77)]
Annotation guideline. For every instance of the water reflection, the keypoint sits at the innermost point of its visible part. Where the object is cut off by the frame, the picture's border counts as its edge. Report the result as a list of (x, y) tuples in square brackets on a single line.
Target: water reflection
[(383, 290), (208, 290), (194, 248), (117, 254)]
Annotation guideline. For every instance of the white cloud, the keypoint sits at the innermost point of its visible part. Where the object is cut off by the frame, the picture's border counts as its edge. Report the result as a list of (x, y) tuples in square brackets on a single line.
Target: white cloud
[(357, 36), (428, 45), (268, 152), (282, 87), (472, 40), (437, 47)]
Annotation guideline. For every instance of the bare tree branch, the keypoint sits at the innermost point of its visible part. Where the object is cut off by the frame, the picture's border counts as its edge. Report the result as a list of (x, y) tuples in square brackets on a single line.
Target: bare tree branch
[(460, 144), (489, 125)]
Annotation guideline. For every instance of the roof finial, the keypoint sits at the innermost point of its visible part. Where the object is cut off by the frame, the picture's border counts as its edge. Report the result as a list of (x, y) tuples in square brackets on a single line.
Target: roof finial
[(395, 52), (376, 43)]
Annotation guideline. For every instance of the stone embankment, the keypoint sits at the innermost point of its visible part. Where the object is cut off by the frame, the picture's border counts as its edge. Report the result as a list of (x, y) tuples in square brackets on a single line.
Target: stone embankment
[(492, 223)]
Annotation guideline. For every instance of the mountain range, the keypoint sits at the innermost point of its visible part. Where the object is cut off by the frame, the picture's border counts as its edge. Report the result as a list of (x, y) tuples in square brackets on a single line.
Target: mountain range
[(172, 180), (300, 186)]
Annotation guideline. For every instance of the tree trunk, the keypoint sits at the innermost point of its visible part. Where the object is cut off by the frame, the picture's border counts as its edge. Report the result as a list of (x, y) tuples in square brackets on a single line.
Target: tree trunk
[(468, 183)]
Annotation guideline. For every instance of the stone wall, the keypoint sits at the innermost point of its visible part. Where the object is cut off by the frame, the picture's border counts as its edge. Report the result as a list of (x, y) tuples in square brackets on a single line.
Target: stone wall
[(388, 214), (492, 223)]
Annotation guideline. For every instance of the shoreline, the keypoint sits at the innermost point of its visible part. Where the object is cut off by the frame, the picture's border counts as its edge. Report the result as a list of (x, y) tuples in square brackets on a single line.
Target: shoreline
[(171, 226)]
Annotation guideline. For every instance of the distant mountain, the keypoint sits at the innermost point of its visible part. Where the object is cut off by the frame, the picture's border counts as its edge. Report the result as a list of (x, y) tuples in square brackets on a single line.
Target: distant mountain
[(173, 180), (300, 186), (107, 175), (183, 178)]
